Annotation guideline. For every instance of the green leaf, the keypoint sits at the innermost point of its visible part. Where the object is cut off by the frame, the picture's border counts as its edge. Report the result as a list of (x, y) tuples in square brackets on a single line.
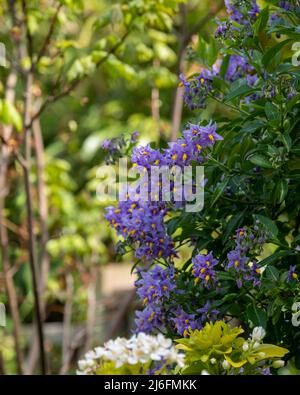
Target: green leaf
[(261, 161), (275, 257), (281, 191), (272, 112), (10, 115), (269, 55), (224, 66), (256, 316), (272, 273), (261, 21), (232, 224), (240, 91), (251, 127), (219, 190), (269, 224)]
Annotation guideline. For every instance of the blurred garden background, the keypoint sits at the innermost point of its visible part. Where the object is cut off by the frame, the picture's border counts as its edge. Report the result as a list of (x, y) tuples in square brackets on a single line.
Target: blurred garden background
[(76, 73)]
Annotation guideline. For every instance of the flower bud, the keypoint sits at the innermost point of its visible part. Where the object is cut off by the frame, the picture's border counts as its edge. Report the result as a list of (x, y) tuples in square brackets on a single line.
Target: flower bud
[(278, 364)]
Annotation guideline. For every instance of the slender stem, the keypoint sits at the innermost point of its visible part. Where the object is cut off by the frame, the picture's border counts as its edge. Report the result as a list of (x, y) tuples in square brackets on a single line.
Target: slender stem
[(4, 241), (30, 222)]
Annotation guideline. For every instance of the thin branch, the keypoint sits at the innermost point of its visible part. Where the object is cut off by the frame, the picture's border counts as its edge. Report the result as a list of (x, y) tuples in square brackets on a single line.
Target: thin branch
[(68, 89), (30, 223), (203, 21), (46, 43), (27, 31)]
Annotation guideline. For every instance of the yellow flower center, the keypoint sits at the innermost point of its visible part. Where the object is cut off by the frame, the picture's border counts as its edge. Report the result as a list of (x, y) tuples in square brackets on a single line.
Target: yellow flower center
[(236, 263), (211, 137), (151, 316)]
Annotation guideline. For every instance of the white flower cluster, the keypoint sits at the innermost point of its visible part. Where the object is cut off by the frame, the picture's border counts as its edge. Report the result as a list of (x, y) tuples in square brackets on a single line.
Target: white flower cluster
[(255, 339), (140, 348)]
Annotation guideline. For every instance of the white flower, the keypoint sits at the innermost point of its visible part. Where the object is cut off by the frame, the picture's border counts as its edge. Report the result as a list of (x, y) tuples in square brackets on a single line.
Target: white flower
[(82, 364), (278, 364), (140, 348), (213, 361), (225, 364), (205, 373), (258, 333), (245, 346), (99, 352)]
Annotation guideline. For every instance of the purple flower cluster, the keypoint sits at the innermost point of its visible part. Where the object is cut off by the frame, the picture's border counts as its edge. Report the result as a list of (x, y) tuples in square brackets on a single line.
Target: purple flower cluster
[(143, 223), (180, 153), (155, 285), (208, 312), (289, 5), (203, 270), (197, 89), (154, 288), (238, 261), (241, 11), (239, 68)]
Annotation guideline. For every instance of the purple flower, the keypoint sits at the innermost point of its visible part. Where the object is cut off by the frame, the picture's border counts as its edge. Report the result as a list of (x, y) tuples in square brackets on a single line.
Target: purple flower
[(146, 156), (266, 372), (106, 145), (292, 275), (286, 5), (254, 274), (238, 68), (134, 136), (148, 319), (197, 89), (155, 285), (208, 312), (236, 261), (184, 322), (203, 270)]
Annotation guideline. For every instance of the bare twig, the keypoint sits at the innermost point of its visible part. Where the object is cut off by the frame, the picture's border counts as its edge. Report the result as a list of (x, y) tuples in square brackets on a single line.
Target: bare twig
[(47, 40), (27, 31), (69, 88)]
